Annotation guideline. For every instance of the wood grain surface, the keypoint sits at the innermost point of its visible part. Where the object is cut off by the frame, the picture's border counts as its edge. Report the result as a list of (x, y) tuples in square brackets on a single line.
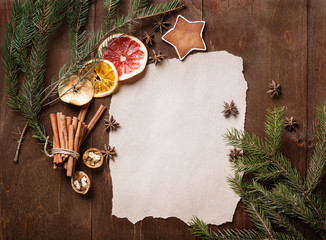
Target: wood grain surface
[(278, 40)]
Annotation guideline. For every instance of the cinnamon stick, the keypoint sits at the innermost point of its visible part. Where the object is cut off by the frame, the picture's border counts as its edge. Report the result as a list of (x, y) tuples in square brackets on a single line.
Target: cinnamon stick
[(68, 121), (94, 120), (77, 136), (61, 139), (83, 112), (56, 143), (76, 143), (70, 147), (64, 131), (74, 122), (83, 133)]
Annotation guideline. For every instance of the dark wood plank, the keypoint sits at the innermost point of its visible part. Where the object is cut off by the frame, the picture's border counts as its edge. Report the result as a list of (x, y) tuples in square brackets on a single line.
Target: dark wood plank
[(316, 75), (270, 36)]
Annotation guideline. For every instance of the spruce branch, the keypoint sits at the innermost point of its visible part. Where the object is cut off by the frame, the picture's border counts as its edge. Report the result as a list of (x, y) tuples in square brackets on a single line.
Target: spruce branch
[(25, 34), (9, 63), (47, 18), (274, 127), (20, 141), (276, 191), (252, 208), (318, 160), (296, 205), (25, 48), (116, 25), (201, 230), (77, 18), (249, 164), (274, 208), (257, 148), (111, 10)]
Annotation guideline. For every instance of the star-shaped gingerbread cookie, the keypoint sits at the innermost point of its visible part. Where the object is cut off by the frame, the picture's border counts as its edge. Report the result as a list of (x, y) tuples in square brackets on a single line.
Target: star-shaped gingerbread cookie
[(186, 36)]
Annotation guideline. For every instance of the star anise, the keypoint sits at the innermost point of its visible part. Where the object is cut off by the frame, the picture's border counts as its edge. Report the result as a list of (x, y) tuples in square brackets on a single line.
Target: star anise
[(230, 109), (148, 38), (274, 89), (234, 154), (290, 124), (157, 57), (111, 124), (108, 152), (160, 25)]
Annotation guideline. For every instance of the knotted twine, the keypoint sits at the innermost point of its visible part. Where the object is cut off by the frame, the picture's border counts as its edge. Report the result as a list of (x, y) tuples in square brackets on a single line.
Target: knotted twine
[(72, 153)]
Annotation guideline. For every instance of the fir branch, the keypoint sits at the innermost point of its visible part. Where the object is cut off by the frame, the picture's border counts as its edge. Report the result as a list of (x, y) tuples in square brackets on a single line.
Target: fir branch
[(301, 206), (159, 9), (296, 205), (137, 5), (47, 17), (117, 25), (285, 193), (111, 10), (268, 174), (254, 146), (274, 127), (202, 231), (249, 164), (77, 17), (20, 141), (285, 236), (9, 63), (274, 209), (318, 160), (25, 34), (30, 25), (252, 208), (17, 40)]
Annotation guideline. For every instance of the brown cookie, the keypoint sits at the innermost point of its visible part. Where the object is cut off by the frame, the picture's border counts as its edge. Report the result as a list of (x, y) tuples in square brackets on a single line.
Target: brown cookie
[(186, 36)]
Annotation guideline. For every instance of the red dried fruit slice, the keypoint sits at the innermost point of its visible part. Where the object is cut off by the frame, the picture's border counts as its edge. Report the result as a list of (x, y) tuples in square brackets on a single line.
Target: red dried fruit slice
[(127, 53)]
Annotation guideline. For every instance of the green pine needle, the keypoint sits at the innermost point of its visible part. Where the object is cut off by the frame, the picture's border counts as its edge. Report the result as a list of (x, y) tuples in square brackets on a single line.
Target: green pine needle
[(201, 230), (276, 192), (318, 161), (25, 47)]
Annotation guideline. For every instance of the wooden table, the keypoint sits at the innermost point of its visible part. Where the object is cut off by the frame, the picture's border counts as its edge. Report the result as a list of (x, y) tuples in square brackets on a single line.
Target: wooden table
[(278, 40)]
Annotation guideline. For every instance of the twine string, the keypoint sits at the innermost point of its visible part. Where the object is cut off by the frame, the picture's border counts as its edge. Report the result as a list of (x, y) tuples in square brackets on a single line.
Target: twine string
[(59, 151)]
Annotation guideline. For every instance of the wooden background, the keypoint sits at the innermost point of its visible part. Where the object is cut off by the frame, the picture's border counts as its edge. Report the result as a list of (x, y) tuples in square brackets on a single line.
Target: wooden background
[(278, 40)]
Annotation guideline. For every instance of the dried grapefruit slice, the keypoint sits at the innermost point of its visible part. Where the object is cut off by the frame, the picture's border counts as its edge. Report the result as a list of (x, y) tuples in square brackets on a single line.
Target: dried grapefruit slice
[(127, 53), (76, 92), (103, 75)]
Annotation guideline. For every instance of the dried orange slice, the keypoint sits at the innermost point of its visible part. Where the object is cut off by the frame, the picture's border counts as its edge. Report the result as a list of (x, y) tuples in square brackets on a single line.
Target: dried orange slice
[(76, 92), (127, 53), (103, 75)]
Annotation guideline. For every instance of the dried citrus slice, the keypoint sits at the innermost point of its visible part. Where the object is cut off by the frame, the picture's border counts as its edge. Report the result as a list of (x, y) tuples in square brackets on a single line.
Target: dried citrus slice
[(127, 53), (103, 75), (76, 92)]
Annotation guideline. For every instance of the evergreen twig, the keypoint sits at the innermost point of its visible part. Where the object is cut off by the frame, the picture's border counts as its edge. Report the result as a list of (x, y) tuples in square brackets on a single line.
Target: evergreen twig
[(276, 192), (25, 46), (20, 141), (116, 25)]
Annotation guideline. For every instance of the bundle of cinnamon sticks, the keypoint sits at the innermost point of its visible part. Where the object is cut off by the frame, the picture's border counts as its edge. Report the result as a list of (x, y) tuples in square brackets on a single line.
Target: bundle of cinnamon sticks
[(69, 133)]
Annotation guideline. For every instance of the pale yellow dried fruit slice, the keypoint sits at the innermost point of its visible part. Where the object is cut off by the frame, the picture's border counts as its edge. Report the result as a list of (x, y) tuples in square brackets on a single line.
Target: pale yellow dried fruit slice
[(103, 75), (76, 92)]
